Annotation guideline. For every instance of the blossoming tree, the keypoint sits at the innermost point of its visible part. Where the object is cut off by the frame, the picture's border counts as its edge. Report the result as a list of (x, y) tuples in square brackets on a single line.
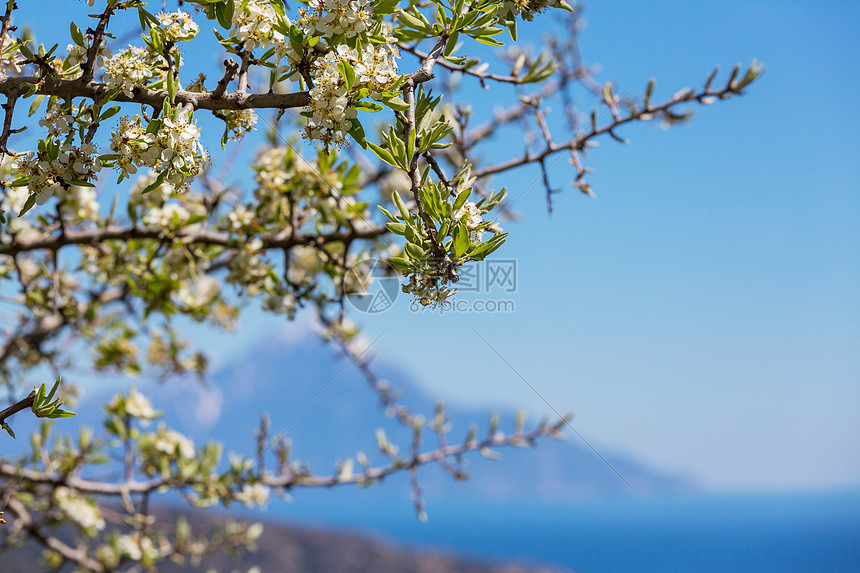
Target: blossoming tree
[(348, 80)]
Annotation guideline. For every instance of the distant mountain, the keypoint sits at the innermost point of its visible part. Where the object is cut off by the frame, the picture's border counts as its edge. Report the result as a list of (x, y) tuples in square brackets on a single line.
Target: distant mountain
[(327, 411), (284, 379)]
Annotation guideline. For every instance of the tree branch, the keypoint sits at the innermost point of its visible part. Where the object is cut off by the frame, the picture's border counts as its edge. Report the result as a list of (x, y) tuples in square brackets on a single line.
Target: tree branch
[(200, 100)]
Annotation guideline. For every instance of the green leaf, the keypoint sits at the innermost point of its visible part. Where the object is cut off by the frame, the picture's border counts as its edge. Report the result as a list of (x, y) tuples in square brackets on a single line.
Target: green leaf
[(396, 103), (348, 73), (383, 154), (224, 13), (109, 112), (462, 197), (62, 414), (365, 105), (81, 183), (20, 182), (397, 148), (401, 263), (37, 101), (171, 86), (404, 212), (452, 43), (54, 389), (154, 185), (387, 213), (412, 22), (396, 228), (357, 133), (39, 399), (77, 36), (385, 7), (28, 204), (415, 251), (410, 147), (489, 41), (461, 240)]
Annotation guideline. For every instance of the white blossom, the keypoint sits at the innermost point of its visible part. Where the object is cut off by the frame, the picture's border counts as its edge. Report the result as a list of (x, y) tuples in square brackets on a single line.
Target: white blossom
[(129, 69), (135, 405), (78, 509), (173, 443), (159, 195), (137, 547), (175, 147), (240, 121), (198, 293), (239, 218), (331, 113), (330, 117), (79, 201), (177, 26), (9, 58), (247, 267), (253, 21), (473, 217), (50, 171), (337, 17), (170, 217), (251, 495)]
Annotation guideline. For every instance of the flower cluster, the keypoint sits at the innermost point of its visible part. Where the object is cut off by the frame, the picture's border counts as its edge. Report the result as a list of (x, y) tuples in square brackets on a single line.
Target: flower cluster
[(279, 172), (331, 113), (254, 21), (130, 68), (169, 217), (239, 218), (329, 106), (253, 494), (61, 120), (473, 218), (137, 547), (165, 441), (527, 9), (248, 267), (79, 202), (133, 404), (337, 17), (175, 147), (78, 509), (428, 290), (238, 122), (76, 55), (375, 67), (177, 26), (199, 293), (56, 167), (9, 56), (280, 301)]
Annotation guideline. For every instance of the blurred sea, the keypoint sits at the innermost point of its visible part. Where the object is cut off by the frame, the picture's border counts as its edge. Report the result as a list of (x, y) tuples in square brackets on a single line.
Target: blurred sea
[(785, 533)]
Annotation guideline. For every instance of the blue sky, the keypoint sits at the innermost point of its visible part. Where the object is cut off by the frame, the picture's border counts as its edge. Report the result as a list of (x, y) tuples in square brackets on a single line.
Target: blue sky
[(703, 312)]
